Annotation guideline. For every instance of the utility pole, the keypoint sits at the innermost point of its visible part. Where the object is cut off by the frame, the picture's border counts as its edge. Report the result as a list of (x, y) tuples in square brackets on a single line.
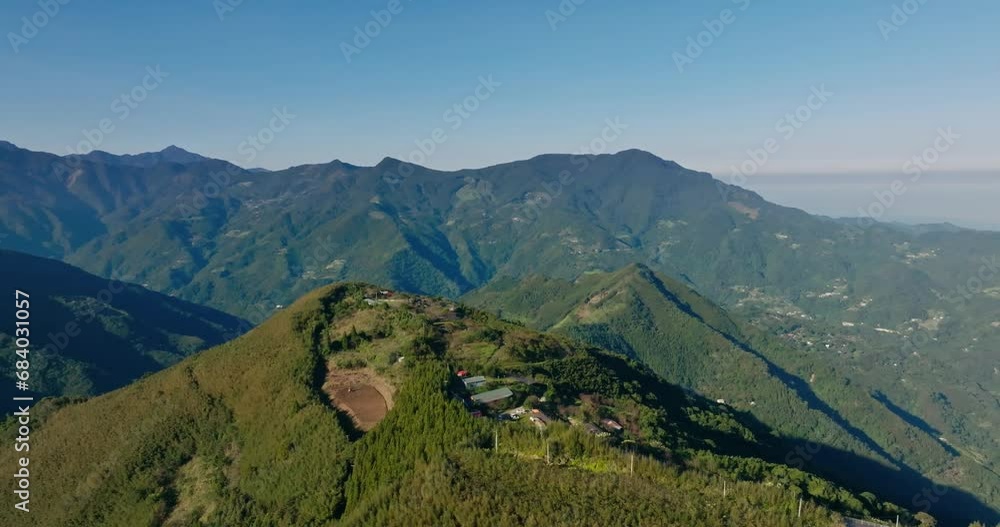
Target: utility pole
[(496, 440), (725, 488), (897, 520), (547, 462), (631, 464), (800, 507)]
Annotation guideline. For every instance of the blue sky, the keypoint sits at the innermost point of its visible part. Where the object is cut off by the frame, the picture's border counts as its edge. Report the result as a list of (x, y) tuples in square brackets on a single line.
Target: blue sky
[(556, 87)]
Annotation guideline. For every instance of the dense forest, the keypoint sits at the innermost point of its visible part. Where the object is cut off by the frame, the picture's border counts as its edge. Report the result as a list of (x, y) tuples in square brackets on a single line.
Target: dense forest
[(93, 335), (251, 433), (866, 345)]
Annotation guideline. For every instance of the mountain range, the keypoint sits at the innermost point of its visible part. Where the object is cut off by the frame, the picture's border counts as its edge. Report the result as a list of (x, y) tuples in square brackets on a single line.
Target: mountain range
[(869, 338)]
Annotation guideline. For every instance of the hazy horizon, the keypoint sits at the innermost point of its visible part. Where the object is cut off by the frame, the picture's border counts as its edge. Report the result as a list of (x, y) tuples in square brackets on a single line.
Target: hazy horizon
[(965, 199)]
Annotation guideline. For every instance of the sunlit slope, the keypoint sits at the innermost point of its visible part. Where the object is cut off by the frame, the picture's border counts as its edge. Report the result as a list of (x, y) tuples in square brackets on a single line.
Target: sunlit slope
[(247, 434), (815, 394)]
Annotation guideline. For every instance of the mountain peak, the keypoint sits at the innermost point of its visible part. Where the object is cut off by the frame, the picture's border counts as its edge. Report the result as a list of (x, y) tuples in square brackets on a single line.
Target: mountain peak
[(637, 152), (388, 162), (176, 154), (637, 155), (170, 154), (174, 149)]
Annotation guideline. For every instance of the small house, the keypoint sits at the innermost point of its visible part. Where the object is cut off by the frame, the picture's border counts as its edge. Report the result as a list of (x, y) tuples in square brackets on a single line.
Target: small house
[(518, 412), (539, 418), (492, 395), (474, 382), (592, 429), (611, 425)]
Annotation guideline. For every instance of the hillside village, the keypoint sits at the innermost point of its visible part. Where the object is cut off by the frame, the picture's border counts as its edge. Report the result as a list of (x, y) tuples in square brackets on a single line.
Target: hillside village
[(486, 390), (495, 399)]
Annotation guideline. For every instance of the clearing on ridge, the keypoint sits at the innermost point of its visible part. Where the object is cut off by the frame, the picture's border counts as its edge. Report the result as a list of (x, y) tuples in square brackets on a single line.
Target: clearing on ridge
[(361, 394)]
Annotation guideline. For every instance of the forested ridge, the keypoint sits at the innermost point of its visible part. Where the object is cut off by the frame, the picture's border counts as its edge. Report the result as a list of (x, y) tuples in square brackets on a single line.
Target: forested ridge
[(247, 434), (813, 395), (873, 341), (91, 335)]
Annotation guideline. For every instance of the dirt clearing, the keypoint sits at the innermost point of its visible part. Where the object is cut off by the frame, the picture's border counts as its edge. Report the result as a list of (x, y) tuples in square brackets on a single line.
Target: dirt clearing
[(361, 394)]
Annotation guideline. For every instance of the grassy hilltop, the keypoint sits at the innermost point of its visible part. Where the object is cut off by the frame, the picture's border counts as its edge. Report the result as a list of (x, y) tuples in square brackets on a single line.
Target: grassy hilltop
[(261, 431)]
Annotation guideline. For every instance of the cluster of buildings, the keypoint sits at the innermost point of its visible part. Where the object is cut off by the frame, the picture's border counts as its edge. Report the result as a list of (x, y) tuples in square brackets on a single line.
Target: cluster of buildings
[(605, 428), (473, 382), (382, 296)]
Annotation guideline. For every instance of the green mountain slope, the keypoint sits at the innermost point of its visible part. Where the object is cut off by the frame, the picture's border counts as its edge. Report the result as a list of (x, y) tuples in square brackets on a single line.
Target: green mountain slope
[(908, 314), (247, 434), (91, 335), (237, 239), (690, 341)]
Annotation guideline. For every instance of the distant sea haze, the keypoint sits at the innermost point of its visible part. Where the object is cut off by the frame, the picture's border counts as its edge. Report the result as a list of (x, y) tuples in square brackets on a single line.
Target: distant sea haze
[(965, 199)]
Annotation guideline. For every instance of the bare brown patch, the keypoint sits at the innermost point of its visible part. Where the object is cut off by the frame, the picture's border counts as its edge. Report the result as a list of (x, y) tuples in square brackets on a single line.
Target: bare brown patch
[(361, 394), (586, 310), (753, 214)]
